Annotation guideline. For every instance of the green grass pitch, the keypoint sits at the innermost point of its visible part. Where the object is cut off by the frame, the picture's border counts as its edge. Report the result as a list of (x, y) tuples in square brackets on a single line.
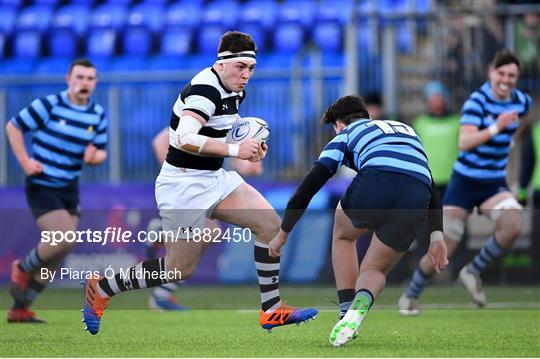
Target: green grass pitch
[(224, 323)]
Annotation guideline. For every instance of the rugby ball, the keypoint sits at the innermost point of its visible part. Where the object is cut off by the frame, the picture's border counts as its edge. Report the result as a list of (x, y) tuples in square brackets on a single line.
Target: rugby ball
[(248, 127)]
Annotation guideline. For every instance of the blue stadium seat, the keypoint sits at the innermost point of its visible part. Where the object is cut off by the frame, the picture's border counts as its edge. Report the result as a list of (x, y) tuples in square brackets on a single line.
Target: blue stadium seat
[(176, 41), (74, 16), (137, 40), (15, 3), (288, 36), (328, 32), (208, 37), (201, 60), (183, 13), (147, 14), (35, 17), (27, 44), (52, 3), (111, 15), (366, 8), (260, 11), (101, 42), (221, 11), (257, 32), (302, 10), (341, 10), (62, 42), (53, 65), (127, 63), (168, 63), (142, 22), (16, 66), (328, 36), (8, 18)]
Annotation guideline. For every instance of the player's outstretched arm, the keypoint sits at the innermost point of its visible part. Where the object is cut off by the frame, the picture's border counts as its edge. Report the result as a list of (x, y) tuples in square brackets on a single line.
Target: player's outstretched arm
[(298, 203)]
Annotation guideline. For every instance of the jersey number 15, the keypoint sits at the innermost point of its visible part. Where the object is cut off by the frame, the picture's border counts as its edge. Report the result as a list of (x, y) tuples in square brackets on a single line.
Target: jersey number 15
[(389, 127)]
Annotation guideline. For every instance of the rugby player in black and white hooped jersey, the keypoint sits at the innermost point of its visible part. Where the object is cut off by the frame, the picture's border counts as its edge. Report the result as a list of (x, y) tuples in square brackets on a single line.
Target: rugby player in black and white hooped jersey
[(192, 186)]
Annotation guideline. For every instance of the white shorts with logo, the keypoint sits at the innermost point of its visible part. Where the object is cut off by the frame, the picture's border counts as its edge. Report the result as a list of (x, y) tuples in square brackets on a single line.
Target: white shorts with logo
[(186, 197)]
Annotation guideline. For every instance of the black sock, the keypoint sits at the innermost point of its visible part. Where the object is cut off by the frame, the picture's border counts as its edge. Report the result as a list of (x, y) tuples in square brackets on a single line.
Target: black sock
[(268, 273), (345, 297), (147, 274)]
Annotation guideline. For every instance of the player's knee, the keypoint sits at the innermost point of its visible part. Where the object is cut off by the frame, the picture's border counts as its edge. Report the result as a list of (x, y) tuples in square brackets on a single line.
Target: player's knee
[(453, 228), (509, 224), (268, 228)]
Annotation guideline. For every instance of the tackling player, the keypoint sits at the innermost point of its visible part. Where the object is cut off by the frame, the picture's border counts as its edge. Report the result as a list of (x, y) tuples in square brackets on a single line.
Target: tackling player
[(390, 195)]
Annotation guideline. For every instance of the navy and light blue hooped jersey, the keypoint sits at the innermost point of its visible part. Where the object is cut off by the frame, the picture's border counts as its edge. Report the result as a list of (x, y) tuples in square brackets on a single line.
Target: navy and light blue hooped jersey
[(488, 161), (386, 145), (60, 133)]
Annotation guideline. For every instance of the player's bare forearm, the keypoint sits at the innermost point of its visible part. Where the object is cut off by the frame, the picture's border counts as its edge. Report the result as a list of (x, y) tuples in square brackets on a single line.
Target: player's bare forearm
[(470, 137), (215, 148)]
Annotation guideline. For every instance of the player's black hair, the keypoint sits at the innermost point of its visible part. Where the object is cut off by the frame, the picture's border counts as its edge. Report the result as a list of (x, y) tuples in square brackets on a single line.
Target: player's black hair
[(81, 62), (504, 57), (236, 41), (346, 109)]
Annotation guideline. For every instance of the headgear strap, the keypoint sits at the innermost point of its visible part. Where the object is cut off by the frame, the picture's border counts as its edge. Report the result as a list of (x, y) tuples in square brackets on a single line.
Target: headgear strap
[(227, 56)]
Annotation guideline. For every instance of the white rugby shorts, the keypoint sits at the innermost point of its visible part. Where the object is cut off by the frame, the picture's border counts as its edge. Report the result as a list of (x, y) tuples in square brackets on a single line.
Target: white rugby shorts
[(186, 197)]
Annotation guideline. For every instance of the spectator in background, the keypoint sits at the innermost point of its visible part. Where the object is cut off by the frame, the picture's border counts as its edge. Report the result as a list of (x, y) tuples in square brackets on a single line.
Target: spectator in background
[(528, 40), (530, 169), (439, 131), (528, 49)]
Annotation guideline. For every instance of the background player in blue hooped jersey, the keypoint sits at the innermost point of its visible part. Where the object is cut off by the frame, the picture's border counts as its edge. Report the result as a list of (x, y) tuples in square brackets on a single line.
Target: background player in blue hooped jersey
[(68, 128), (490, 117), (391, 195)]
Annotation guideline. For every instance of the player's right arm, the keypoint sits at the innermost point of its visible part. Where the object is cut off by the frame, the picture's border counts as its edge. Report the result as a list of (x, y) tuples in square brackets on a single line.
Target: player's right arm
[(437, 251), (16, 139), (28, 119), (471, 137), (189, 140)]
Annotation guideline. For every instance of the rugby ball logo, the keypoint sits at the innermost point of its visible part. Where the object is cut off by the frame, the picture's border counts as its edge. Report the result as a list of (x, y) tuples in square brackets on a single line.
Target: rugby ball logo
[(248, 127)]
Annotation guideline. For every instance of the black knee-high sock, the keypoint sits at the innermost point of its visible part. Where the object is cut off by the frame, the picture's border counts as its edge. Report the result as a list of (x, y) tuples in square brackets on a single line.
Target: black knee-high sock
[(268, 273), (147, 274), (345, 297)]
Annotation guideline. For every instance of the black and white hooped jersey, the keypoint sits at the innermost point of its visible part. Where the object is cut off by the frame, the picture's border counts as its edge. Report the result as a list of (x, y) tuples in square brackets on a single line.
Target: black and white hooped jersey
[(208, 97)]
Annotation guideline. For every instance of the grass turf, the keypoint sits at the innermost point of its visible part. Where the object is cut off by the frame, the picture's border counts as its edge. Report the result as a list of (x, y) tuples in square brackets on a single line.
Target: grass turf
[(220, 326)]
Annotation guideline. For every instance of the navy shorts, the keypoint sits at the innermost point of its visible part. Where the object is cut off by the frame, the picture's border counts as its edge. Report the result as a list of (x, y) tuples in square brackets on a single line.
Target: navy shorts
[(467, 193), (393, 205), (44, 199)]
